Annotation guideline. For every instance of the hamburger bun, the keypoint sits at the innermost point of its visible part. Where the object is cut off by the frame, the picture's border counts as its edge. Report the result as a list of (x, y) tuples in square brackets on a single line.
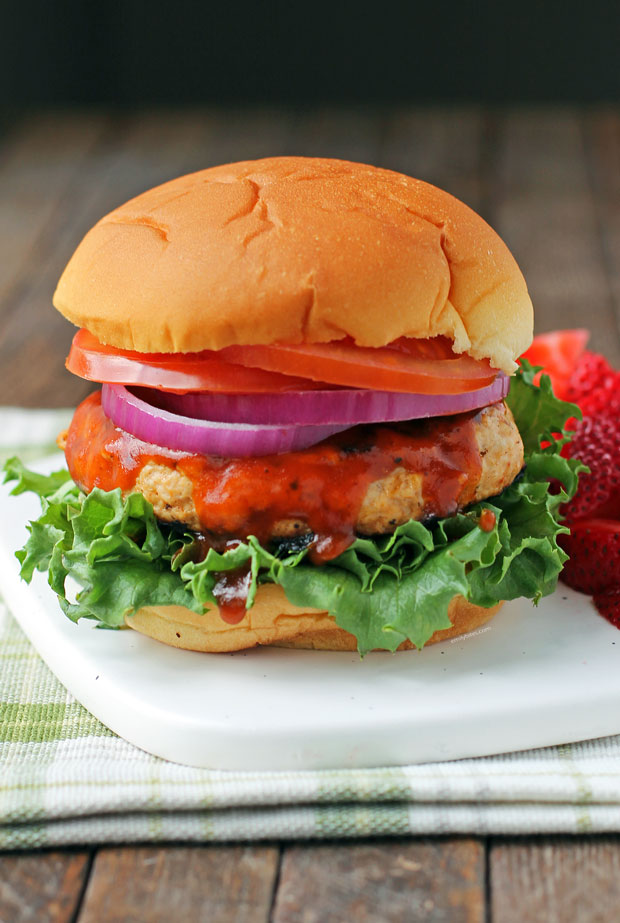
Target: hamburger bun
[(274, 621), (294, 249)]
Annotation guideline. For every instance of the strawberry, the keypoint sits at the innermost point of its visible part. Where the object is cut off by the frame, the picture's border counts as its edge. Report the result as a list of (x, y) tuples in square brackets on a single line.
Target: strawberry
[(558, 353), (596, 441), (593, 514), (605, 399), (608, 604), (591, 371), (593, 547)]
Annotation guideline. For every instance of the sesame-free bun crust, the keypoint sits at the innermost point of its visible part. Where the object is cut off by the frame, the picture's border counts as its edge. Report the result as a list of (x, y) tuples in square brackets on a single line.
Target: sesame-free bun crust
[(294, 249), (273, 620)]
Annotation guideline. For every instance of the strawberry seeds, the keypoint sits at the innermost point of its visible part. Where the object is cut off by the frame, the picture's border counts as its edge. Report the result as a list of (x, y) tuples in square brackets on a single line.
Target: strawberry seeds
[(593, 515)]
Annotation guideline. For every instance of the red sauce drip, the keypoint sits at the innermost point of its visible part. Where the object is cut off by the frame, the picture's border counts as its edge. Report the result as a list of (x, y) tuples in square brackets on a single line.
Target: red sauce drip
[(487, 520), (322, 487), (231, 592)]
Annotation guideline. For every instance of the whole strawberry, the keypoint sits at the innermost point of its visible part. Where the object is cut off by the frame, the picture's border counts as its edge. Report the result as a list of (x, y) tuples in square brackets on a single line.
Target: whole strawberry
[(605, 399), (596, 441), (593, 515), (593, 547), (591, 371), (608, 604)]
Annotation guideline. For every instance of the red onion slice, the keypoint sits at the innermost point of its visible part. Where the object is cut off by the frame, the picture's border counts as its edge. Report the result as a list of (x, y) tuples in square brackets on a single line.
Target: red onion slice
[(344, 406), (204, 437)]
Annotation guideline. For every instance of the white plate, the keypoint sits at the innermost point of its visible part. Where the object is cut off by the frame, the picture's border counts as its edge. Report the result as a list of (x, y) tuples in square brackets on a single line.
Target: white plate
[(531, 678)]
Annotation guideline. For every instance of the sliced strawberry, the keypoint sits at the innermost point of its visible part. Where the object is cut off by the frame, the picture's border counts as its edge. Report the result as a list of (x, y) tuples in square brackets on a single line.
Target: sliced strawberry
[(596, 441), (608, 604), (593, 547), (558, 353), (592, 371)]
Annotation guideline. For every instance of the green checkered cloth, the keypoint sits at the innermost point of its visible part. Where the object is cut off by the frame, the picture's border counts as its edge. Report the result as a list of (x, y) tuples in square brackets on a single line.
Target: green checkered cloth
[(66, 779)]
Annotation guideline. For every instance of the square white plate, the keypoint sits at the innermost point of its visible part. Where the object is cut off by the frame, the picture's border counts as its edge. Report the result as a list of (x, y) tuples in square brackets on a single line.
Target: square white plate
[(531, 678)]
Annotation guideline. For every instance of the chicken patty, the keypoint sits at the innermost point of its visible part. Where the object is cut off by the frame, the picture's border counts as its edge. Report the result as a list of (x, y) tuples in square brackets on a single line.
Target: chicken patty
[(365, 481), (387, 503)]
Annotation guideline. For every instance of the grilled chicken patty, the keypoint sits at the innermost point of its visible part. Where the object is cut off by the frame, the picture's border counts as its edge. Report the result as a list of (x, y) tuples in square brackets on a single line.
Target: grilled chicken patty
[(388, 501), (366, 481)]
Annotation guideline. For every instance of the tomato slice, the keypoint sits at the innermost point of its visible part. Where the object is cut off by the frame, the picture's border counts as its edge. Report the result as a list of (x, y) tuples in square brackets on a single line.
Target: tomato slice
[(412, 366), (204, 371)]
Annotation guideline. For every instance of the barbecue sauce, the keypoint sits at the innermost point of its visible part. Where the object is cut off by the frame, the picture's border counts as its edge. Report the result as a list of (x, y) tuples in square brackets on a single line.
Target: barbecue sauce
[(487, 520), (320, 488)]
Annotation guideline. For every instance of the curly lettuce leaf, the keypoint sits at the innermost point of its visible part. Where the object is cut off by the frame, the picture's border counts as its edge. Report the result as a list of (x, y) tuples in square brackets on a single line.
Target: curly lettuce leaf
[(395, 599), (113, 548), (383, 590), (538, 413)]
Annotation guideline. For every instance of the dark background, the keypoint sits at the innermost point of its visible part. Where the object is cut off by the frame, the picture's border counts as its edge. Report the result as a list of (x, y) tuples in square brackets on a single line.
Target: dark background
[(134, 52)]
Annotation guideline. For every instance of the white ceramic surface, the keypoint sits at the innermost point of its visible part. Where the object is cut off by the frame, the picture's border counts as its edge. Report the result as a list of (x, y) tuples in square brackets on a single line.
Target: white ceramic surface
[(531, 678)]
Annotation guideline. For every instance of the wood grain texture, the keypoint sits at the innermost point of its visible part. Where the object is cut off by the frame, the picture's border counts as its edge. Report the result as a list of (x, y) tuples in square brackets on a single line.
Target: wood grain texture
[(555, 880), (41, 887), (133, 154), (601, 129), (547, 179), (129, 156), (349, 134), (440, 880), (213, 884), (440, 146), (543, 206), (37, 162)]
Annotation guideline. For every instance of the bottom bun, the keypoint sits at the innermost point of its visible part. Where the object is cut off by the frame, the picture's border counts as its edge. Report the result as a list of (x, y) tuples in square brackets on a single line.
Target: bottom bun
[(273, 620)]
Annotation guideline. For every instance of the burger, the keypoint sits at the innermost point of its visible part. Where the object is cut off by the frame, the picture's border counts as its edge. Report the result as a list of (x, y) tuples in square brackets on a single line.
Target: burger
[(312, 429)]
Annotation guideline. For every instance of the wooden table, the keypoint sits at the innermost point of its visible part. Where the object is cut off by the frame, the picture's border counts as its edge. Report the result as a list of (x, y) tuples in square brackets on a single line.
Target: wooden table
[(549, 181)]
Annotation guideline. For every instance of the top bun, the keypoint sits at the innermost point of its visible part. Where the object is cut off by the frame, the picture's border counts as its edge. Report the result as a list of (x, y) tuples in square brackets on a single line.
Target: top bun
[(292, 250)]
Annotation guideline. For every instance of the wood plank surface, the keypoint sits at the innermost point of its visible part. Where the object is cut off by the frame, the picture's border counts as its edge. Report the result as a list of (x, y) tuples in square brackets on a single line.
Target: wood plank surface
[(133, 154), (548, 181), (34, 338), (543, 205), (386, 882), (601, 129), (349, 134), (440, 146), (213, 884), (37, 162), (41, 887), (555, 880)]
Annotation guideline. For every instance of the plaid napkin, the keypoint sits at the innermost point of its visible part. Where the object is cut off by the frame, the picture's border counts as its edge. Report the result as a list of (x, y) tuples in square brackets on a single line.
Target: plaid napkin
[(66, 779)]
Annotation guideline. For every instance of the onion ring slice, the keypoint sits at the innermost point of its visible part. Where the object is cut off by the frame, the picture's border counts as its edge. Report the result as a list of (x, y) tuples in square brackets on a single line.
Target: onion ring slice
[(203, 437), (330, 407)]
